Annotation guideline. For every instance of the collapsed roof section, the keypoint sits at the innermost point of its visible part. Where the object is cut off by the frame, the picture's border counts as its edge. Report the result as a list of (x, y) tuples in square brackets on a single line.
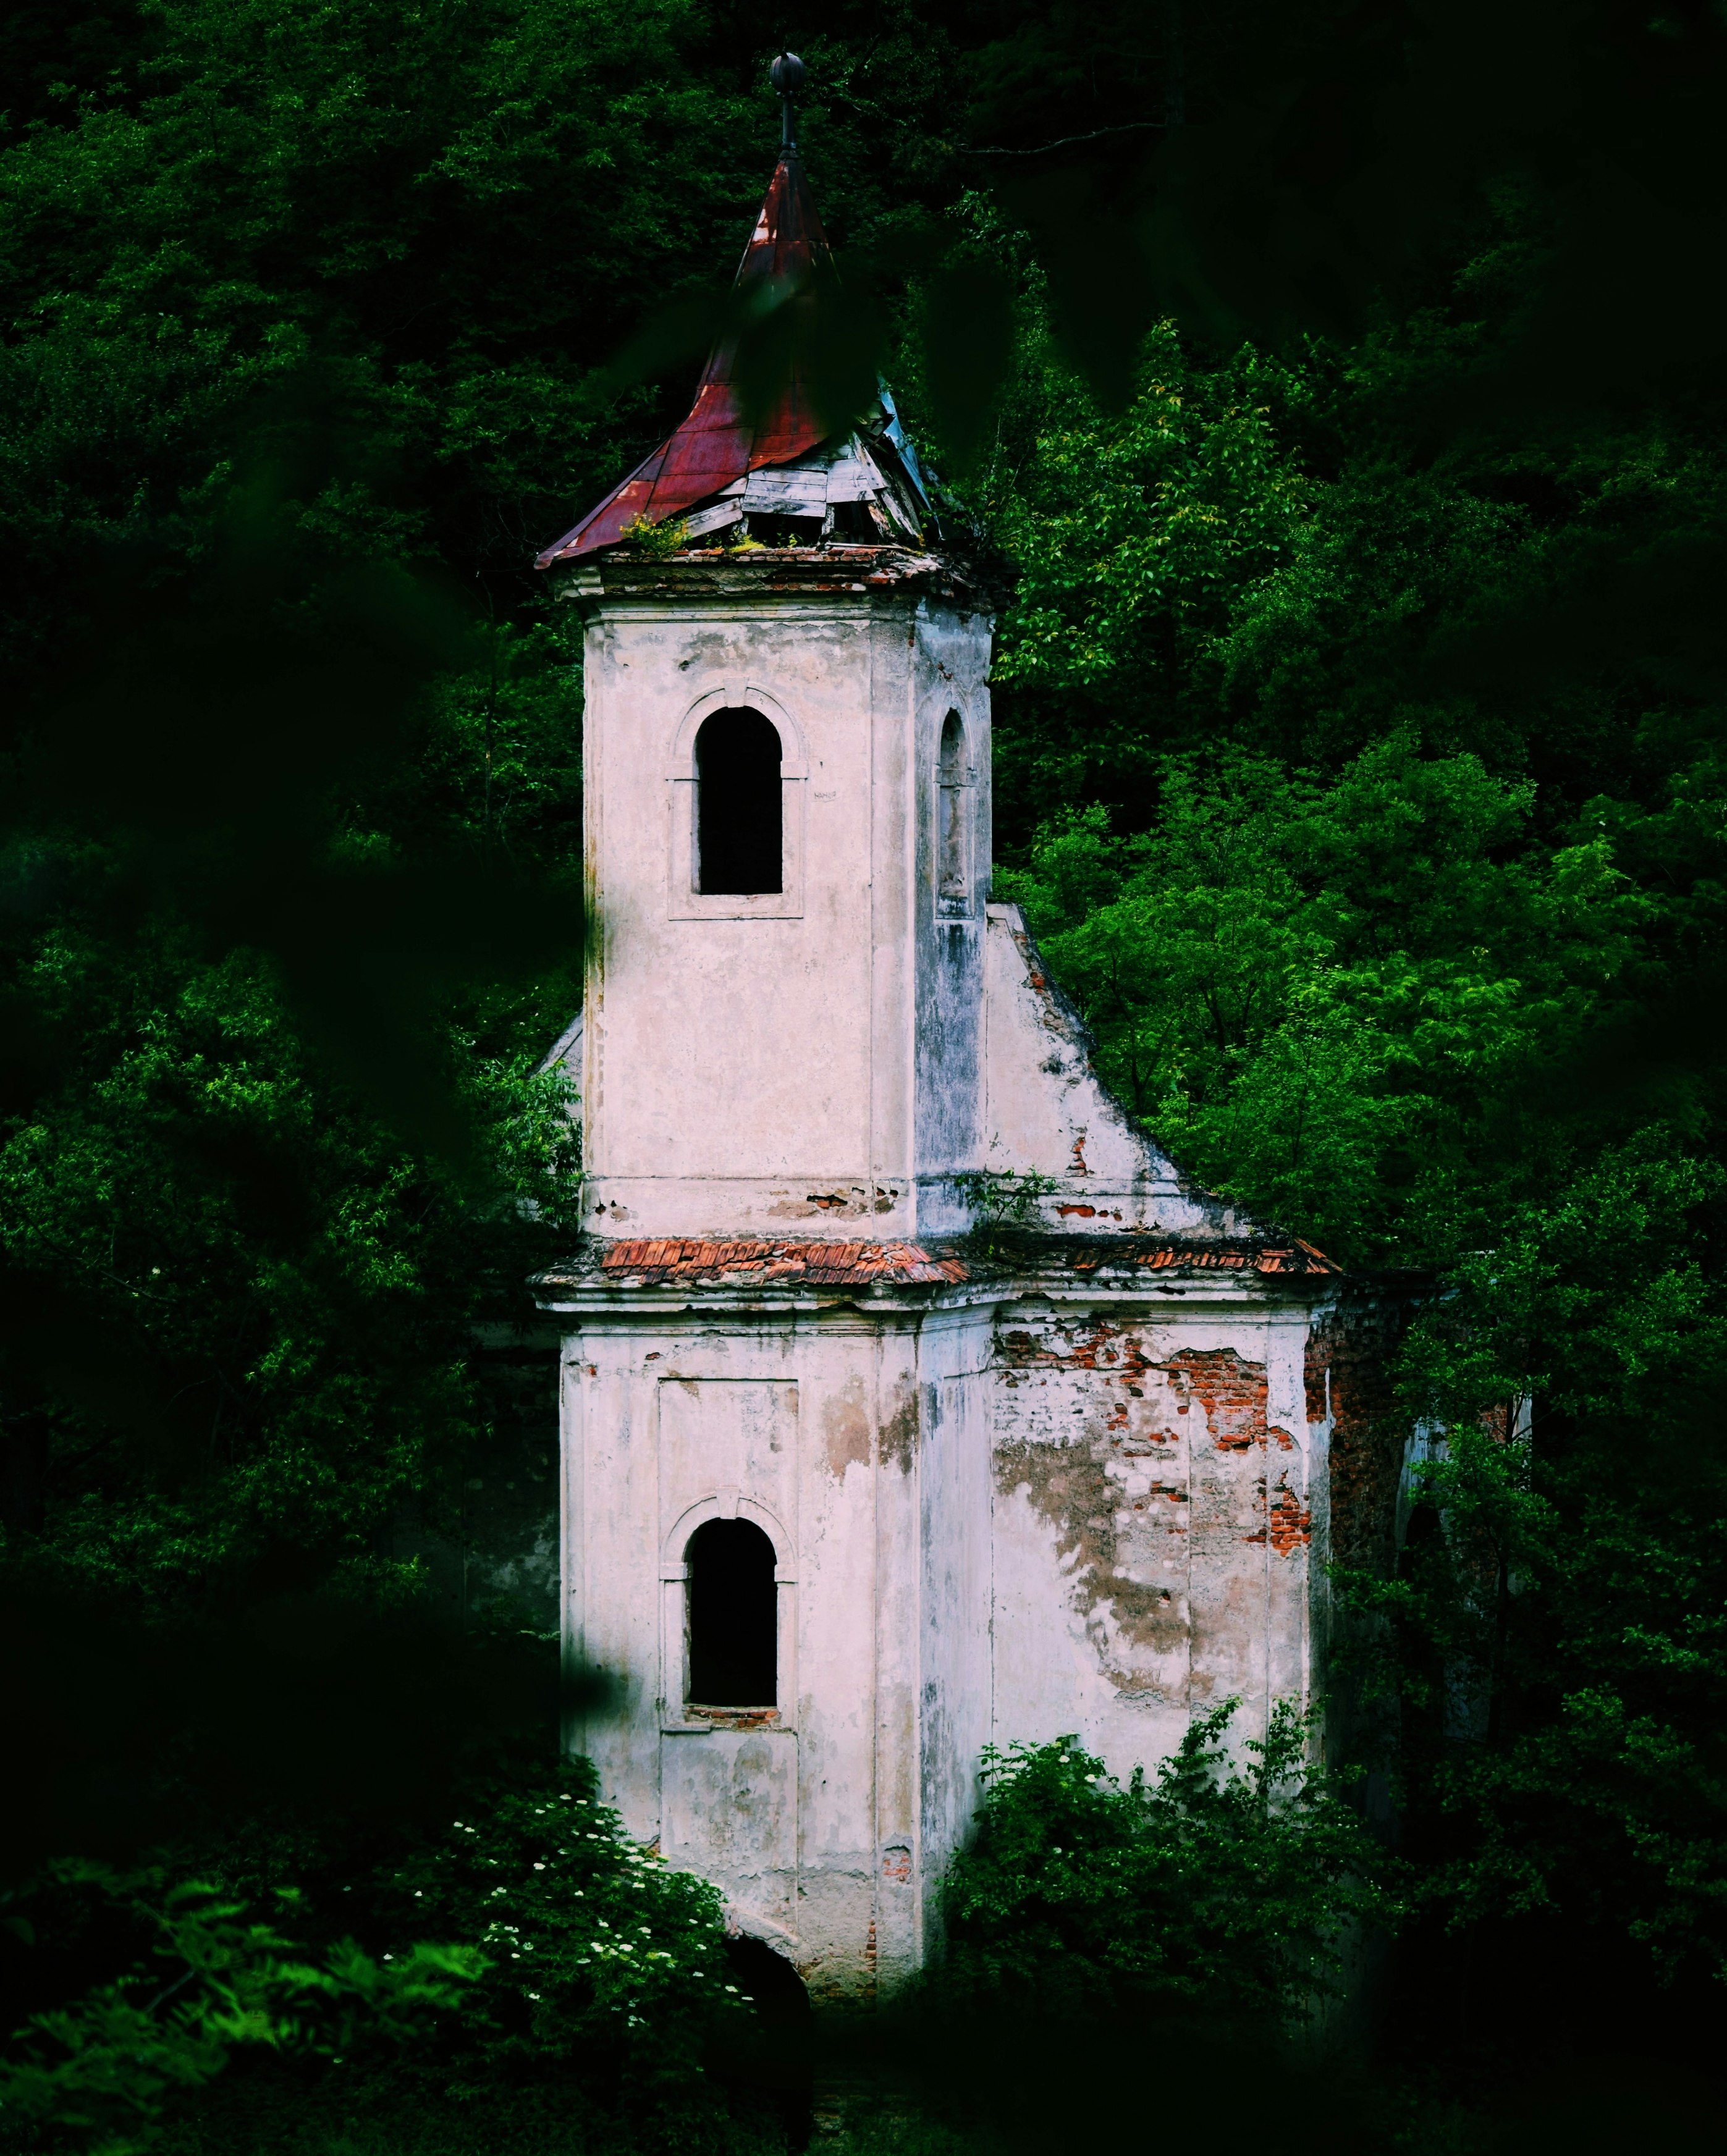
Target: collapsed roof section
[(857, 490), (787, 476)]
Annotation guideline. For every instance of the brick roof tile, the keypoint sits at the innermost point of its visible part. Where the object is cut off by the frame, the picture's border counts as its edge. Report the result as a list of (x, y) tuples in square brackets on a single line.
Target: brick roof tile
[(821, 1265), (700, 1261)]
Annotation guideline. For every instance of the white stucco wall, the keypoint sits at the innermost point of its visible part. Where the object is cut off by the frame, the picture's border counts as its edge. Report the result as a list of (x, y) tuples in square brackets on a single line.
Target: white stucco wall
[(1001, 1516), (859, 1444), (761, 1064), (1047, 1112)]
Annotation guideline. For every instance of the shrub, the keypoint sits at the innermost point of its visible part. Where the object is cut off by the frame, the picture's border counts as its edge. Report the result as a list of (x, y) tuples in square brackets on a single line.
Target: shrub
[(601, 1961), (1213, 1887)]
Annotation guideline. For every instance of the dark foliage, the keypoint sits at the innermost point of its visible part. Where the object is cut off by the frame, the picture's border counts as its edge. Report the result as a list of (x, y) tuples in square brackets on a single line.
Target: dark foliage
[(1344, 384)]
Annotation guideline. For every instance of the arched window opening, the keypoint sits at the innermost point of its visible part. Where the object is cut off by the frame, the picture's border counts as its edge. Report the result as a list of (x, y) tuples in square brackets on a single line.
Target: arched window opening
[(739, 843), (952, 777), (733, 1616)]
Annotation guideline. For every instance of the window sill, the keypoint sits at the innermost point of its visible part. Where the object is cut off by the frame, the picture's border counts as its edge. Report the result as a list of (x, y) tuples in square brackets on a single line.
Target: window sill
[(700, 1719), (736, 905)]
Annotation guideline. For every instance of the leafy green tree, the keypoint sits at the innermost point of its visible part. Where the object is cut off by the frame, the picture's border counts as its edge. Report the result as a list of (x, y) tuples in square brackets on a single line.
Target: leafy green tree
[(1369, 812), (1350, 410), (1319, 993), (1552, 1638)]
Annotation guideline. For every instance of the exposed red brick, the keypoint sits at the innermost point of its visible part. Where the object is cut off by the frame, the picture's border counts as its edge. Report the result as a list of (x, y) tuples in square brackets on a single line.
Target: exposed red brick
[(1100, 1344), (1231, 1392), (735, 1718), (1289, 1523)]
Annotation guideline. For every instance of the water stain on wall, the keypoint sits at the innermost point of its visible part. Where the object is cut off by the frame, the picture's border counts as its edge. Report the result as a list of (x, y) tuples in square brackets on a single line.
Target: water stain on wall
[(845, 1431), (1111, 1459)]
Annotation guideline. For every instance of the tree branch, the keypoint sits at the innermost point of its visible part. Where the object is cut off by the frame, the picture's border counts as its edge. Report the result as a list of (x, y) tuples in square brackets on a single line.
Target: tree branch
[(1061, 141)]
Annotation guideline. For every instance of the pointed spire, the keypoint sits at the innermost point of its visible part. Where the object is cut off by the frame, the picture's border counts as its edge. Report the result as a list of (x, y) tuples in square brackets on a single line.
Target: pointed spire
[(716, 445)]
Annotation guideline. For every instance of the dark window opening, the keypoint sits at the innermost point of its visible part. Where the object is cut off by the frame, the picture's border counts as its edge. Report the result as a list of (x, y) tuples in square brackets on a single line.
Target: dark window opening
[(853, 524), (950, 788), (733, 1616), (738, 821), (770, 529)]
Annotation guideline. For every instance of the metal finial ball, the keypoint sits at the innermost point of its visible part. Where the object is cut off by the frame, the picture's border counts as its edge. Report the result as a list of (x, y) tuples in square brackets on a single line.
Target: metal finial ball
[(787, 74)]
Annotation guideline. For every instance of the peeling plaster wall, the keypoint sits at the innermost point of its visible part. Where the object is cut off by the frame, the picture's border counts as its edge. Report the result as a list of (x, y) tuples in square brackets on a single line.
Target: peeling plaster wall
[(1153, 1521), (999, 1520)]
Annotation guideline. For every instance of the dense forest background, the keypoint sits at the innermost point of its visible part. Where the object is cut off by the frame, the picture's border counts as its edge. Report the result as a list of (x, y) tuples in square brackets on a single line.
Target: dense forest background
[(1342, 384)]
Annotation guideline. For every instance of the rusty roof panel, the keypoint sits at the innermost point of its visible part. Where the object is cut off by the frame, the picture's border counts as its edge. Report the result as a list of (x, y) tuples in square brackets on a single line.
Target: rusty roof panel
[(715, 446)]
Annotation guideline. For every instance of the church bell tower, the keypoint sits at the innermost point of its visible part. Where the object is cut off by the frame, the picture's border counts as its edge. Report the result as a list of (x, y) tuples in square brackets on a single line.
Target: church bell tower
[(840, 1496), (787, 757), (786, 766)]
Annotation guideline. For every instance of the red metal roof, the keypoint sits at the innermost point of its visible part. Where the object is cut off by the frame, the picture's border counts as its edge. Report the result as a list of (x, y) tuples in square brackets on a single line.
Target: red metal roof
[(815, 1265), (715, 446)]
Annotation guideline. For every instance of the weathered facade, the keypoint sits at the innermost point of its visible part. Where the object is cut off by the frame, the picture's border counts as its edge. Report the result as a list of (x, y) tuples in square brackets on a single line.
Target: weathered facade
[(1075, 1475)]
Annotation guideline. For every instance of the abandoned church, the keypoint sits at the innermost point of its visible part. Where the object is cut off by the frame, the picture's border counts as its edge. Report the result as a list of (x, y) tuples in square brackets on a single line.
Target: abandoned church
[(911, 1400)]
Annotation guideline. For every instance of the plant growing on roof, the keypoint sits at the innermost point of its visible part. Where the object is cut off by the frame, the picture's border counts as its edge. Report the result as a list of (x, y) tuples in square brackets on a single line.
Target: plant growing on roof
[(658, 541), (1002, 1201)]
